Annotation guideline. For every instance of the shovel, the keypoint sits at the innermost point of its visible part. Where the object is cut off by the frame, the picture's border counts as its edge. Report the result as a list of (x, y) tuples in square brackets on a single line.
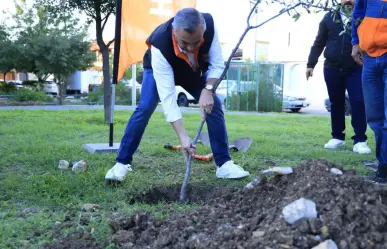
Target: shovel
[(204, 139), (239, 144), (371, 165)]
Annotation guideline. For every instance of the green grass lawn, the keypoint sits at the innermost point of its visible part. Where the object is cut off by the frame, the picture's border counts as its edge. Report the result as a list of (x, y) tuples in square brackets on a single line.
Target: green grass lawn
[(35, 194)]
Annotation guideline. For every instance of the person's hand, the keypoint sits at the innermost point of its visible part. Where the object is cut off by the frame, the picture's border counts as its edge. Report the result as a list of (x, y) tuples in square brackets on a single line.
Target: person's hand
[(187, 148), (206, 102), (357, 55), (309, 73)]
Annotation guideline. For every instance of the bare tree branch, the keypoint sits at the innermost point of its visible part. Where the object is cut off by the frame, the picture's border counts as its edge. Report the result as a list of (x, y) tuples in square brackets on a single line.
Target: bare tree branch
[(104, 20), (252, 11), (274, 17), (109, 43)]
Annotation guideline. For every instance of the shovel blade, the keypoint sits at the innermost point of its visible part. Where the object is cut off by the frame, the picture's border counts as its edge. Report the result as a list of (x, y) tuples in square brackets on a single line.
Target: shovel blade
[(242, 144), (204, 138)]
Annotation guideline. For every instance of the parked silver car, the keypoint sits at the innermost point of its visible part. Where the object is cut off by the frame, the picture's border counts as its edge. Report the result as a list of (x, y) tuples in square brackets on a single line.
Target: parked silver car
[(348, 110)]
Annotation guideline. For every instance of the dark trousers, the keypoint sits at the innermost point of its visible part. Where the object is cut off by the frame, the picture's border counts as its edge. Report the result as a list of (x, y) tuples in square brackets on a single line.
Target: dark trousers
[(375, 96), (338, 81), (148, 103)]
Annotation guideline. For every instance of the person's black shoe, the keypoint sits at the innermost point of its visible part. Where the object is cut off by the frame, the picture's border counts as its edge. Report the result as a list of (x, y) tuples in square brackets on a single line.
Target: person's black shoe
[(376, 178)]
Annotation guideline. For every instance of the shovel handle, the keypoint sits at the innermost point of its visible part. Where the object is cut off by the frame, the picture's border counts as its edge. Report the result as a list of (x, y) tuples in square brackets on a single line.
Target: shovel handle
[(206, 158), (172, 147)]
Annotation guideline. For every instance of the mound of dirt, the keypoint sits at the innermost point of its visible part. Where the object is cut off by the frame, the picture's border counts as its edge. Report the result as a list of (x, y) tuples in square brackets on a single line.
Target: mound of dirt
[(351, 212)]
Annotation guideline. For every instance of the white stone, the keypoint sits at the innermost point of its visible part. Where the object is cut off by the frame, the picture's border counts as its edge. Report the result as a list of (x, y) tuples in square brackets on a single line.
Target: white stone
[(253, 183), (80, 167), (328, 244), (63, 164), (258, 233), (249, 185), (336, 171), (278, 171), (299, 210)]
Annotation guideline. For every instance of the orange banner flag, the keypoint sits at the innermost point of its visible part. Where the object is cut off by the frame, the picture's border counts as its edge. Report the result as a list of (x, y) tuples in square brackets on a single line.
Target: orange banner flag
[(138, 19)]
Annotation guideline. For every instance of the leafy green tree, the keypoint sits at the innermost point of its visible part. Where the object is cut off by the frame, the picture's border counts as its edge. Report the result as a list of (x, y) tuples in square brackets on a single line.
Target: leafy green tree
[(7, 52), (62, 56), (50, 44), (98, 12), (31, 24)]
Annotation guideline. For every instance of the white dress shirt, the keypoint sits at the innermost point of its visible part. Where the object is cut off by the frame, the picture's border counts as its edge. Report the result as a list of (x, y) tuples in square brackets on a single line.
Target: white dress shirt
[(165, 82)]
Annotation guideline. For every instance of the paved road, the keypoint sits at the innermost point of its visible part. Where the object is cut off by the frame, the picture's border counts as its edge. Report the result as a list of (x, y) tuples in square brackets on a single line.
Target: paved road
[(307, 112)]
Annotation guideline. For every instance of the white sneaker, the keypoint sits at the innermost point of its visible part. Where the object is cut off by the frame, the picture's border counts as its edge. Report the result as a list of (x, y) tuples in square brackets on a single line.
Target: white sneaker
[(118, 172), (231, 171), (334, 144), (362, 148)]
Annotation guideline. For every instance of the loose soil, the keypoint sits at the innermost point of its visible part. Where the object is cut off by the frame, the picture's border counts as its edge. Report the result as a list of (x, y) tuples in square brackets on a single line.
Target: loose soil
[(194, 194), (352, 212)]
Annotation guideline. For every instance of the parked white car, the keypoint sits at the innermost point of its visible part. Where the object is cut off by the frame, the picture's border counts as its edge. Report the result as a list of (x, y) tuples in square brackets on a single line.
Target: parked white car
[(51, 88), (17, 83), (183, 97)]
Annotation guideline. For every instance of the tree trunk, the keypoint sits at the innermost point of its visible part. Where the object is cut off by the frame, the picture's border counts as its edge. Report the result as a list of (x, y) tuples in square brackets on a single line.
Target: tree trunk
[(4, 77), (105, 64), (107, 84), (62, 89)]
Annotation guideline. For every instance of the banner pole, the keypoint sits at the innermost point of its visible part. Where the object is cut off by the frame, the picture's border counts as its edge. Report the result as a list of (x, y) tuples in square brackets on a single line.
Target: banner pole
[(116, 60)]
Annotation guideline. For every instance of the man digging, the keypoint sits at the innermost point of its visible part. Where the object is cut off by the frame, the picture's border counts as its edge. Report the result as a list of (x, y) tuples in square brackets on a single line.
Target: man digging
[(183, 51)]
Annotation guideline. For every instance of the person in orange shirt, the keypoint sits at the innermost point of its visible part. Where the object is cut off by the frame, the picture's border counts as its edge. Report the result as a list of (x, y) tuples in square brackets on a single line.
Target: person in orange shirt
[(369, 40)]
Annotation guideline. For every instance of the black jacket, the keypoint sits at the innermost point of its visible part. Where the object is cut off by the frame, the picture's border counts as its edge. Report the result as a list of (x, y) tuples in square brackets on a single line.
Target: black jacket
[(161, 38), (338, 48)]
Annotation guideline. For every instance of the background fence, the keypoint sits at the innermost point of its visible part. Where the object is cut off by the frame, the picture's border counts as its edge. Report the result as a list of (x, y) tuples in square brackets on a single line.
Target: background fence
[(253, 87), (248, 87)]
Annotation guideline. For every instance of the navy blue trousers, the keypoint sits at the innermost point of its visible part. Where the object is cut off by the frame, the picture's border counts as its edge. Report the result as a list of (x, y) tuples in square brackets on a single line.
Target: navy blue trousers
[(337, 82), (148, 103)]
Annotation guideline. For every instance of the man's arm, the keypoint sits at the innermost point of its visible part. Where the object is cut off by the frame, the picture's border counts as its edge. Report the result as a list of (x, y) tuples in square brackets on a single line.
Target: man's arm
[(215, 57), (318, 45), (165, 83), (357, 16)]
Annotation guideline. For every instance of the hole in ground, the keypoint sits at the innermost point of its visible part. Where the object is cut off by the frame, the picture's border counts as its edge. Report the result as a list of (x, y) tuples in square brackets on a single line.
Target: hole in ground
[(171, 193)]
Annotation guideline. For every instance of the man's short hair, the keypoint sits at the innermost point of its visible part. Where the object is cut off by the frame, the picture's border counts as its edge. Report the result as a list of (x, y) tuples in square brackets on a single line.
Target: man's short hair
[(189, 19)]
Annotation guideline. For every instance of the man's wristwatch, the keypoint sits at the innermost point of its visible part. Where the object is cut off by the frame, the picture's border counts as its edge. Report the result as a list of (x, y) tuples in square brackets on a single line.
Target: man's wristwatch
[(209, 87)]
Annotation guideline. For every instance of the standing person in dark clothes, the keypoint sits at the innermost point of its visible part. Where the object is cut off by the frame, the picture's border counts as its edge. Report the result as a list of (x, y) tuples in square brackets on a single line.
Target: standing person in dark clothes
[(341, 73)]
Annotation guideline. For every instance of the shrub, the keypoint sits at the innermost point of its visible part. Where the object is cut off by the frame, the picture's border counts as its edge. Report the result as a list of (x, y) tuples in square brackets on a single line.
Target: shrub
[(6, 88), (123, 95), (33, 85), (268, 100), (27, 95), (250, 97)]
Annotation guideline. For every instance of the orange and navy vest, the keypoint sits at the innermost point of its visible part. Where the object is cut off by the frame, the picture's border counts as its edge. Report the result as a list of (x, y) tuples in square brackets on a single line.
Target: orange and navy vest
[(369, 26)]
